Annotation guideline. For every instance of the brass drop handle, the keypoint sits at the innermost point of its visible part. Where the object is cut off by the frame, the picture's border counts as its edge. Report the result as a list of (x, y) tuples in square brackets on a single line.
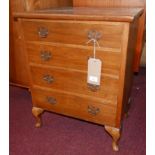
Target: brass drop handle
[(51, 100), (45, 55), (49, 79), (93, 110), (43, 32), (93, 87)]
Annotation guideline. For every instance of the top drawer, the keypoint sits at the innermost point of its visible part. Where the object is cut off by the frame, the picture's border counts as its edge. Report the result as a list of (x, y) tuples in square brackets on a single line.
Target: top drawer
[(73, 32)]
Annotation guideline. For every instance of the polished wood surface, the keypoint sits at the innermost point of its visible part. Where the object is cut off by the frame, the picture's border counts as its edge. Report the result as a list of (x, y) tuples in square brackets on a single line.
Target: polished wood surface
[(115, 134), (62, 88), (20, 78), (18, 68), (18, 65), (11, 44), (82, 13), (122, 74), (129, 65), (129, 44), (70, 32), (37, 114), (86, 108), (109, 3), (122, 3), (62, 55), (140, 41), (42, 4), (17, 5), (62, 80), (27, 5)]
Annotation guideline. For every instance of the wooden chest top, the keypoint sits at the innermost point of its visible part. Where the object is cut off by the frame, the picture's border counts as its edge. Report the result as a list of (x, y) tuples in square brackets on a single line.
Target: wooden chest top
[(83, 13)]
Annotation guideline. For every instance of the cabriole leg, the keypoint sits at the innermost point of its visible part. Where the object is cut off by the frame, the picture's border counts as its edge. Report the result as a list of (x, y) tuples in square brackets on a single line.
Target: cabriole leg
[(115, 134), (37, 114)]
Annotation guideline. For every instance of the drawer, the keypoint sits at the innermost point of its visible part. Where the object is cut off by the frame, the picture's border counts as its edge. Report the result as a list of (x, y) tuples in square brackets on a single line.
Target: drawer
[(73, 32), (72, 81), (102, 112), (73, 57)]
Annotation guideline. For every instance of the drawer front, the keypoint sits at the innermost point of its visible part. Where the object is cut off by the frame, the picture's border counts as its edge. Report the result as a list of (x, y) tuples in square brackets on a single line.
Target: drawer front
[(72, 81), (72, 57), (75, 106), (73, 32)]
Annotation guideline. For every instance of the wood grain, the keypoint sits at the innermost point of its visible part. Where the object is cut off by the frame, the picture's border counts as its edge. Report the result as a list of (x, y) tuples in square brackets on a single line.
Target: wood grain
[(18, 65), (109, 3), (73, 32), (42, 4), (122, 3), (140, 41), (72, 57), (17, 5), (61, 86), (84, 13), (11, 44), (115, 134), (18, 70), (37, 112), (63, 80), (75, 106), (129, 66), (123, 68), (27, 5), (126, 72)]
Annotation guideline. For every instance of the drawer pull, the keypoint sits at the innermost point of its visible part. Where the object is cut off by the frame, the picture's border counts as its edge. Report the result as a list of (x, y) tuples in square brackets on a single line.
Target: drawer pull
[(93, 88), (93, 34), (49, 79), (45, 55), (51, 100), (93, 110), (43, 32)]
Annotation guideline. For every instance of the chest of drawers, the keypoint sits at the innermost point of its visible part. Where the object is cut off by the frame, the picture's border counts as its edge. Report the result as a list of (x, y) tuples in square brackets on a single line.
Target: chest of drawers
[(57, 55)]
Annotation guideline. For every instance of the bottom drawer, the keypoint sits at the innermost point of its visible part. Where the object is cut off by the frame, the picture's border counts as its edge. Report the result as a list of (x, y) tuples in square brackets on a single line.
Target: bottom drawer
[(89, 109)]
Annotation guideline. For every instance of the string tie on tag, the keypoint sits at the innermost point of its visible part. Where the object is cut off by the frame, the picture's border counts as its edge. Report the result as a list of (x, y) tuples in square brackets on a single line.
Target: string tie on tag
[(94, 45)]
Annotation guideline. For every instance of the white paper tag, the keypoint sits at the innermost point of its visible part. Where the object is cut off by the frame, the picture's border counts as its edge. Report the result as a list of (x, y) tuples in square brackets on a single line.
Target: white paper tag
[(93, 78), (94, 71)]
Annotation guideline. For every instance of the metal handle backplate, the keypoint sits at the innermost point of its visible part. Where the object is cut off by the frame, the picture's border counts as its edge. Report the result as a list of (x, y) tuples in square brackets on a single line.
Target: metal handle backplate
[(93, 87), (51, 100), (48, 78), (93, 110), (93, 34), (45, 55), (43, 32)]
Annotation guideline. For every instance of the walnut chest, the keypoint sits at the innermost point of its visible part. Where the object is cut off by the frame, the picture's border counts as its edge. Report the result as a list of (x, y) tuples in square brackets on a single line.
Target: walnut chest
[(54, 42)]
